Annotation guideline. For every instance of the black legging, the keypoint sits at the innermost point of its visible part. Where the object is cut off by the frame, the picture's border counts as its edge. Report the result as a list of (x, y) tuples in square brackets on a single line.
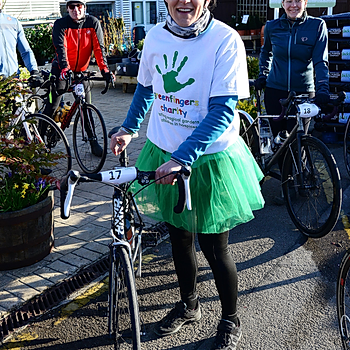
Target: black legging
[(216, 251)]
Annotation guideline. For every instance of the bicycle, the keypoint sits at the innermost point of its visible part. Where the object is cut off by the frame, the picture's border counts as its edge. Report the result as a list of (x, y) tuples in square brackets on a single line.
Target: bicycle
[(347, 143), (310, 177), (124, 322), (89, 127), (31, 125), (343, 300)]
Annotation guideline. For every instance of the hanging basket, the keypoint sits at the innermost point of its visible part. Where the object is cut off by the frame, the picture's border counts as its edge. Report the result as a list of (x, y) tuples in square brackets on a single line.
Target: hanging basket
[(26, 236)]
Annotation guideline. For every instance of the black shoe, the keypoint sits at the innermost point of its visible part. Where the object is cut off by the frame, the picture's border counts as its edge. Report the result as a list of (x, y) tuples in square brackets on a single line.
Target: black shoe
[(227, 336), (176, 318), (96, 149)]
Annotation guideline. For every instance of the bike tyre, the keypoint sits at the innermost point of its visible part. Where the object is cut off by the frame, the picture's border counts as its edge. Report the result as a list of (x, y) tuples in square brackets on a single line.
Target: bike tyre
[(55, 141), (343, 300), (87, 161), (347, 146), (124, 306), (319, 212)]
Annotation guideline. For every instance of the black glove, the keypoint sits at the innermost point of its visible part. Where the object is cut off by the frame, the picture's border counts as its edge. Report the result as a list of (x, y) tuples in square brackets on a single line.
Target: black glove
[(35, 80), (322, 98), (260, 83), (108, 76)]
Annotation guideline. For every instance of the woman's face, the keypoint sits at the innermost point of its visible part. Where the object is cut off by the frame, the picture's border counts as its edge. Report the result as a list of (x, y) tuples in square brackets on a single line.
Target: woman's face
[(294, 8), (186, 12)]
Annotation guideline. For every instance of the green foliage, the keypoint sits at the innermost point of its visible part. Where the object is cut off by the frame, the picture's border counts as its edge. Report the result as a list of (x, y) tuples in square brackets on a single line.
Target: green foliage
[(21, 161), (253, 67), (40, 40), (24, 75), (117, 40), (248, 106), (140, 44)]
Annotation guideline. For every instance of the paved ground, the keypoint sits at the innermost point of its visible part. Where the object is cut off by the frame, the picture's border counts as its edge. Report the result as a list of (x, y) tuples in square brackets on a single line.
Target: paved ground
[(83, 238), (278, 270)]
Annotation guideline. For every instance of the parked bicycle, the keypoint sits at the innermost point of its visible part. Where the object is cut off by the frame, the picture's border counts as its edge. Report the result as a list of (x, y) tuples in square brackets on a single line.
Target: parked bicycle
[(89, 128), (124, 323), (31, 125), (343, 300), (310, 177), (347, 145)]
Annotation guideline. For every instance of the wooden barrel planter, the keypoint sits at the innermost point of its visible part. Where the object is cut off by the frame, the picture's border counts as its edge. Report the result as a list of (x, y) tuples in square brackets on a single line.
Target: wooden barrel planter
[(26, 236)]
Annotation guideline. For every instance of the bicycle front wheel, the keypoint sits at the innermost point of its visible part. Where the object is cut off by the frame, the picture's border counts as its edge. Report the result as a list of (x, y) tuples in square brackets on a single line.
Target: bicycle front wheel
[(313, 195), (124, 316), (42, 128), (343, 300), (347, 146), (90, 139)]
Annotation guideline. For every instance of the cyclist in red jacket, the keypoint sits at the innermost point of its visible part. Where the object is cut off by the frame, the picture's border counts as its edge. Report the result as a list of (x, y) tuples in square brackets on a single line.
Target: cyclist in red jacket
[(75, 37)]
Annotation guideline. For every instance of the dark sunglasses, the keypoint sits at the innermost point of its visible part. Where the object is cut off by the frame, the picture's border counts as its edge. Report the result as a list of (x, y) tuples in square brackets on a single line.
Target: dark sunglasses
[(72, 6)]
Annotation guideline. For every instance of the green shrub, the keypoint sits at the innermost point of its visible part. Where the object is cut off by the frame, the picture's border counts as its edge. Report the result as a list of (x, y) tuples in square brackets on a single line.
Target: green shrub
[(253, 67), (40, 40)]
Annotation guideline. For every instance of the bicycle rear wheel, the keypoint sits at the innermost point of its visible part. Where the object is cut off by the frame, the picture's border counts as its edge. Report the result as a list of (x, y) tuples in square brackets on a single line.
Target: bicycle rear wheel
[(343, 300), (90, 136), (42, 127), (347, 146), (249, 133), (313, 205), (124, 318)]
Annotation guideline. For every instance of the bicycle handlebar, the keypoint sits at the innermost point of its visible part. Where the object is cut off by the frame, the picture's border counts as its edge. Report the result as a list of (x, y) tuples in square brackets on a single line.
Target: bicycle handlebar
[(87, 75), (288, 102), (118, 176)]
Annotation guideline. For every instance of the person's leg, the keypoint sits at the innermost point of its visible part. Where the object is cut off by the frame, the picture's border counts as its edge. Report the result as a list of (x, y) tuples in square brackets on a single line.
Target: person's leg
[(216, 251), (185, 261), (96, 149), (55, 98)]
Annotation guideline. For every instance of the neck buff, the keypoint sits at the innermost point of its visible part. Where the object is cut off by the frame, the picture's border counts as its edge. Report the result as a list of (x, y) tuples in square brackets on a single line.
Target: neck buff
[(193, 30)]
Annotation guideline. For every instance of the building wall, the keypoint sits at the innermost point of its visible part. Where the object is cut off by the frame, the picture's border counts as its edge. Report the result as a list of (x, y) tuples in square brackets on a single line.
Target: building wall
[(31, 9), (226, 8)]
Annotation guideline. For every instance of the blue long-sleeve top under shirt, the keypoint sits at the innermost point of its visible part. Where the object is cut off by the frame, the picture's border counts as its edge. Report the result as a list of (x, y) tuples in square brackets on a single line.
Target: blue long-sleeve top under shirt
[(219, 117)]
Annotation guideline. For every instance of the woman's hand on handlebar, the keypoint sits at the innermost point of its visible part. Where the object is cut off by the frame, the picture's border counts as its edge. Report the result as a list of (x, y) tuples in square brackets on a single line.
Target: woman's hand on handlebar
[(165, 169), (119, 141)]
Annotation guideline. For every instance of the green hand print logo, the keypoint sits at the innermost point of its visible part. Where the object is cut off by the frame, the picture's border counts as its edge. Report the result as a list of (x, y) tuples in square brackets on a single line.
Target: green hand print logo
[(169, 78)]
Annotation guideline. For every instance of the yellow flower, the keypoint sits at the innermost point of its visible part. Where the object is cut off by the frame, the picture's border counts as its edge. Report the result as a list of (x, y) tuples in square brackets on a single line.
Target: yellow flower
[(25, 186), (23, 193), (15, 186)]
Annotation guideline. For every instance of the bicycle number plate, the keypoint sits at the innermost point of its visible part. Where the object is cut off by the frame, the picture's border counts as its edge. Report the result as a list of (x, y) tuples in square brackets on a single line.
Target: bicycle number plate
[(79, 90), (308, 110)]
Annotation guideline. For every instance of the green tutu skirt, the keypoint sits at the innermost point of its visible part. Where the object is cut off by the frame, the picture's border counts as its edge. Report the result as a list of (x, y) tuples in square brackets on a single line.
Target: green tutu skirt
[(224, 187)]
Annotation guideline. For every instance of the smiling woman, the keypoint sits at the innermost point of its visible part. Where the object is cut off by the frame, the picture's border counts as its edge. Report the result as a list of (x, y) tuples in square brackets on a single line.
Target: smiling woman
[(185, 13), (294, 8), (200, 61)]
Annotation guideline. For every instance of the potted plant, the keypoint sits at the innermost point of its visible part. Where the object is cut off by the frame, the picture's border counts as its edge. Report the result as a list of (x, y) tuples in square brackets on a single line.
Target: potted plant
[(116, 39), (40, 40), (26, 202)]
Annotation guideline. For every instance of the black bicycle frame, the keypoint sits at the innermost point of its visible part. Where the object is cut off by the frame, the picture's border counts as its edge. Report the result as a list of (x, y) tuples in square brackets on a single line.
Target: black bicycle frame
[(296, 133)]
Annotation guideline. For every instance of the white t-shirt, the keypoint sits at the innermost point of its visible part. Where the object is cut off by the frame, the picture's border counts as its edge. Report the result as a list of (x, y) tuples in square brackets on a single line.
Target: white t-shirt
[(184, 74)]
